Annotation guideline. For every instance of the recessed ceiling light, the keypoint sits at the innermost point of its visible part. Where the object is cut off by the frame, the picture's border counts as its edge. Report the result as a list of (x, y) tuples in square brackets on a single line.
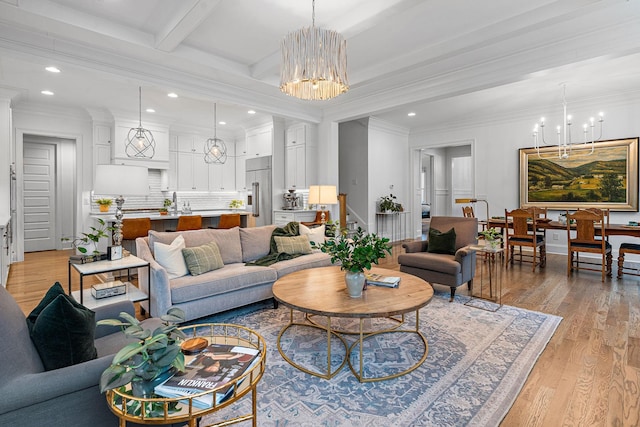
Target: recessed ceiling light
[(46, 92), (222, 123), (251, 111), (150, 110), (411, 114), (172, 95), (53, 69)]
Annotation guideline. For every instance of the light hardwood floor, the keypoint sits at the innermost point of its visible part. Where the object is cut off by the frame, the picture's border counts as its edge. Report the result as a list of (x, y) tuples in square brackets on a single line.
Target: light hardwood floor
[(589, 374)]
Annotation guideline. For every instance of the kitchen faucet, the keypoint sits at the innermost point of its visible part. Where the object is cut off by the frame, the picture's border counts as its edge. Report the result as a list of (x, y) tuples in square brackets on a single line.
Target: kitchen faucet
[(175, 203)]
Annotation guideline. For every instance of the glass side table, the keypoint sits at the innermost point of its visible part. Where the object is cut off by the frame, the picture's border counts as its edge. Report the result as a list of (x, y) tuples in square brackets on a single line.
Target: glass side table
[(492, 260)]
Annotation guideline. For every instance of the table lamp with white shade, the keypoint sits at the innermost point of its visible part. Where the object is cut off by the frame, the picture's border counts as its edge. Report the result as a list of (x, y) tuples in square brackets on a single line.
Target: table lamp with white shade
[(322, 195), (120, 180)]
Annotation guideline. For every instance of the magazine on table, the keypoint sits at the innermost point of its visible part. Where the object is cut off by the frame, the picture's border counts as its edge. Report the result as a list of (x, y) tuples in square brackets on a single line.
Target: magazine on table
[(214, 367), (381, 280)]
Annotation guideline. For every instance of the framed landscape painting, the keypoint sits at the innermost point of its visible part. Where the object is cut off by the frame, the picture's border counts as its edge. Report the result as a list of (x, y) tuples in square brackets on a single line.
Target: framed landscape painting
[(605, 177)]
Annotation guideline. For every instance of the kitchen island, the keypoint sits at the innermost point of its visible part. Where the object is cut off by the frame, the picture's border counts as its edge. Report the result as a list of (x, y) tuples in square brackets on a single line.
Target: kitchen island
[(159, 222)]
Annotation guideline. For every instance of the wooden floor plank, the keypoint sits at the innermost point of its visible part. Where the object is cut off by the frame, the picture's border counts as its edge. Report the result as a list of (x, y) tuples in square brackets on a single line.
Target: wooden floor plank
[(588, 375)]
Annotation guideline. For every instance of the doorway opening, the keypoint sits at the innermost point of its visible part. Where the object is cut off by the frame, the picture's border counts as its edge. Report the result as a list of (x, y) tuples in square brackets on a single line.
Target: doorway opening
[(48, 183)]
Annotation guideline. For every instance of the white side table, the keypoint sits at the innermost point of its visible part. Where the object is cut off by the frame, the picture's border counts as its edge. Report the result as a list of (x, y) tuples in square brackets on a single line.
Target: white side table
[(490, 275), (133, 293)]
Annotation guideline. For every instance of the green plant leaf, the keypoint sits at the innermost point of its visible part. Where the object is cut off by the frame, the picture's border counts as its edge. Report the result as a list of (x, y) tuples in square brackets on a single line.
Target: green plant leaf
[(115, 376)]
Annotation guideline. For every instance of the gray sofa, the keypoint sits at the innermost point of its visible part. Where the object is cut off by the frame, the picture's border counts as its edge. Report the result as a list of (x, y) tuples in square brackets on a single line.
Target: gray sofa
[(450, 270), (67, 396), (233, 285)]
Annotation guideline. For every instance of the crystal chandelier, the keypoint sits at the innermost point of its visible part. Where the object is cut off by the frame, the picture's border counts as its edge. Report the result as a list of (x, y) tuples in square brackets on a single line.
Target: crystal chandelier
[(140, 142), (215, 150), (565, 145), (314, 63)]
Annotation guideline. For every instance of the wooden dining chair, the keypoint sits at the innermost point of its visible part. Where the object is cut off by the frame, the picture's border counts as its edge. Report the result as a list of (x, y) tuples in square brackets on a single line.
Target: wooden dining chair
[(467, 212), (522, 233), (581, 237)]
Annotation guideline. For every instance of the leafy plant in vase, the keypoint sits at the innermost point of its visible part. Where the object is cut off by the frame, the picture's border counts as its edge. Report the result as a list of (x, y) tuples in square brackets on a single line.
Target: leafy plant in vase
[(88, 243), (147, 361), (389, 204), (104, 204), (492, 237), (164, 210), (355, 254)]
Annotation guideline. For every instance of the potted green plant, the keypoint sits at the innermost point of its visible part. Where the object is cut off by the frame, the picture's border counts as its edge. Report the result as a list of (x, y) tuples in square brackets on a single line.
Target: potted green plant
[(492, 237), (104, 204), (164, 210), (355, 254), (145, 362), (389, 204), (88, 243)]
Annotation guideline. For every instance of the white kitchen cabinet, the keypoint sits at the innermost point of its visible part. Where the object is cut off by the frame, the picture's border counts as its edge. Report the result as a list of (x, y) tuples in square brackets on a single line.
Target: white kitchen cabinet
[(300, 156), (283, 217), (223, 177), (160, 159), (101, 144), (260, 141), (193, 172)]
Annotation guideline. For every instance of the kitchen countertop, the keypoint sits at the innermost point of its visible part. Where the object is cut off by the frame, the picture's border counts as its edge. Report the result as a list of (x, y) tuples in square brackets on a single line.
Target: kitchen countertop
[(156, 215)]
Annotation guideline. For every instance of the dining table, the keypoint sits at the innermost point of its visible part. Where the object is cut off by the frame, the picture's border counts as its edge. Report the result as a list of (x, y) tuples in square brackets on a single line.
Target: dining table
[(610, 229)]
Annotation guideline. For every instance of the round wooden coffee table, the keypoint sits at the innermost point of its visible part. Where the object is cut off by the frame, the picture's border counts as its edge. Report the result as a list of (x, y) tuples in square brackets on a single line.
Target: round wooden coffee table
[(322, 292)]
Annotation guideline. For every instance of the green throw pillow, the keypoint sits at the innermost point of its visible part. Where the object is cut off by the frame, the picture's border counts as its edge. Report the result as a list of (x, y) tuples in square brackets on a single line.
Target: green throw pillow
[(293, 245), (442, 243), (51, 294), (64, 333), (201, 259)]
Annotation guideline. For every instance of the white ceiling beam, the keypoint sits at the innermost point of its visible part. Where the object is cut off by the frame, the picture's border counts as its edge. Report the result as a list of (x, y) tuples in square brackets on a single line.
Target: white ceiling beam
[(183, 22)]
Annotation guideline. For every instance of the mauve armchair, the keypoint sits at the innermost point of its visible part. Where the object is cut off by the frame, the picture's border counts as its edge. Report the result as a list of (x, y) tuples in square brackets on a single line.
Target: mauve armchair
[(451, 270)]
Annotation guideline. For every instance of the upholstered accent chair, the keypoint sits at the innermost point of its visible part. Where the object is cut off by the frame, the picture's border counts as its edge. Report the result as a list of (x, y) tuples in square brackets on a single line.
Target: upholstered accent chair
[(454, 268), (68, 396)]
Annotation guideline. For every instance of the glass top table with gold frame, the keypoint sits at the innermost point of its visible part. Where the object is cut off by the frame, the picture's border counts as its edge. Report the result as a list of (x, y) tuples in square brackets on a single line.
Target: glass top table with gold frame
[(322, 292), (159, 409)]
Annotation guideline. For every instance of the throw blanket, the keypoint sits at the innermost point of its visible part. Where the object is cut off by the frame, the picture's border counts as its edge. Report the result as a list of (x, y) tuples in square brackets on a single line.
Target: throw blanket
[(289, 230)]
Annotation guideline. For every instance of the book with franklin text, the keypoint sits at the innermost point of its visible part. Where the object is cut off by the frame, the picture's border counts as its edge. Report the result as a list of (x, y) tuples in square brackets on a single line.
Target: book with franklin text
[(215, 366)]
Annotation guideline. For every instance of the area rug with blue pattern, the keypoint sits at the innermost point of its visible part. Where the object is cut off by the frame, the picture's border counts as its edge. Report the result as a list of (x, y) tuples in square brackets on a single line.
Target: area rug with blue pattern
[(477, 363)]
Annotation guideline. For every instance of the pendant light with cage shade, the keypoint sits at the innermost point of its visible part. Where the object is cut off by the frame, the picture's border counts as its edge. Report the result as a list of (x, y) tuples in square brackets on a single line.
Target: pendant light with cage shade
[(215, 150), (140, 142)]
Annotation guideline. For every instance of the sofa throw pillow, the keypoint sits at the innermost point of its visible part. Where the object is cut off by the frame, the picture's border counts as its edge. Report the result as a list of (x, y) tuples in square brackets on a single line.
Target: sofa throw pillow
[(170, 257), (293, 245), (51, 294), (315, 234), (442, 243), (64, 333), (203, 258)]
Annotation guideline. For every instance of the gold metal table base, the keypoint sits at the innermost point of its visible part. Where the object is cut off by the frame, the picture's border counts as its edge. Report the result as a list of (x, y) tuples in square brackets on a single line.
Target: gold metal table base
[(362, 335)]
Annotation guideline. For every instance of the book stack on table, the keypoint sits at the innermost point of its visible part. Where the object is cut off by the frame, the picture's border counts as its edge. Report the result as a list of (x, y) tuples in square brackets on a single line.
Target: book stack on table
[(84, 259), (380, 280)]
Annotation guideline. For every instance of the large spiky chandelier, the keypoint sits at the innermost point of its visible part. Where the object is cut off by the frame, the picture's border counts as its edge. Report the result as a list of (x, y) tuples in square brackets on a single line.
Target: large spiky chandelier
[(140, 142), (215, 150), (314, 63)]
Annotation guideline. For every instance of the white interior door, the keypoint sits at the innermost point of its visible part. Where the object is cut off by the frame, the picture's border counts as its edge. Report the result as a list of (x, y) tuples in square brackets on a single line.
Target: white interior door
[(39, 177)]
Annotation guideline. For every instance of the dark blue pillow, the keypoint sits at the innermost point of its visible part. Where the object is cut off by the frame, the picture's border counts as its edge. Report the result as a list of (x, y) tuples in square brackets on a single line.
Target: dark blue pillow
[(51, 294)]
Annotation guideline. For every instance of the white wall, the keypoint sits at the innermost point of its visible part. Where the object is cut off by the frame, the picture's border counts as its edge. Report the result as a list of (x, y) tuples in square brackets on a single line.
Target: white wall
[(496, 144), (389, 171), (354, 168)]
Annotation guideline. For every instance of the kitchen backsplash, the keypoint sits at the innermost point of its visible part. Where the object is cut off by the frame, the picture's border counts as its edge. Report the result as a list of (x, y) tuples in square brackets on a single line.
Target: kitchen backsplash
[(155, 198)]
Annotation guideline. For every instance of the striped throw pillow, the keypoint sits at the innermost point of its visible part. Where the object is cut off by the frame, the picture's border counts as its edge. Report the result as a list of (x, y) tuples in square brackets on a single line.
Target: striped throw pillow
[(293, 245), (201, 259)]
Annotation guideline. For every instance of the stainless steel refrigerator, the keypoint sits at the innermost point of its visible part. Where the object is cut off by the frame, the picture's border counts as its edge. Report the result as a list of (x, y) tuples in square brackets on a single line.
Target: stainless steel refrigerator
[(259, 180)]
